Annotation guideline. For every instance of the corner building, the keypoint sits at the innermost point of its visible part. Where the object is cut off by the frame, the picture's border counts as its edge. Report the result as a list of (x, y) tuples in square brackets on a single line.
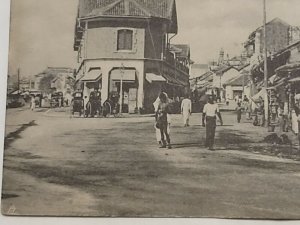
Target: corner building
[(129, 41)]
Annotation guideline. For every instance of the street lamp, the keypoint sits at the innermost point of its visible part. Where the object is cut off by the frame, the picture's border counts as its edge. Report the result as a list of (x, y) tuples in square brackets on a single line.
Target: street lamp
[(122, 70)]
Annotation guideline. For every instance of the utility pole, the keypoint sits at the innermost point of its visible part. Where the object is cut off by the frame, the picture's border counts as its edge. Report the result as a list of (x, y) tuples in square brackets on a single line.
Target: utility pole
[(18, 80), (266, 100), (243, 74), (121, 87)]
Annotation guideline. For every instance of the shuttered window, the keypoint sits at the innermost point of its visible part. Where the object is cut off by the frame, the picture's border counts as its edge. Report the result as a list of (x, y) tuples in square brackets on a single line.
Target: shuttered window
[(125, 39)]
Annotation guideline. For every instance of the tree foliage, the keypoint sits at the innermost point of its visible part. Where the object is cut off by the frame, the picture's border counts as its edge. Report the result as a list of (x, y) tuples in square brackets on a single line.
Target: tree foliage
[(45, 82)]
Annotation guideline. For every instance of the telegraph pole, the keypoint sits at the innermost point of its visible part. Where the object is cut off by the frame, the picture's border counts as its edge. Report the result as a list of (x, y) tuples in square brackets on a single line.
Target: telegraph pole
[(266, 100), (18, 80), (121, 87)]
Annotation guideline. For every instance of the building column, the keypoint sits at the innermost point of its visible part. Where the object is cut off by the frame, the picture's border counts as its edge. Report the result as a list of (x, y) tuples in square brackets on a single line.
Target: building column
[(105, 82), (141, 78)]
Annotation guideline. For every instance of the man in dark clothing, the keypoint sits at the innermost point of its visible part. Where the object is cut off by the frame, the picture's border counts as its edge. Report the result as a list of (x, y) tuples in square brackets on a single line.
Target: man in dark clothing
[(239, 110), (162, 120), (209, 120)]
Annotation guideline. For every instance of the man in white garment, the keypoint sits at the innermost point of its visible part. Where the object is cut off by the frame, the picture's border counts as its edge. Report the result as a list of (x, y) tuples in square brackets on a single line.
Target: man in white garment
[(186, 110), (209, 119), (157, 131)]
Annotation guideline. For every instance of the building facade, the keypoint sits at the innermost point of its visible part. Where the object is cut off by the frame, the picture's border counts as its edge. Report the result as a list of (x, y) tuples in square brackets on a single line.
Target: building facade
[(127, 44)]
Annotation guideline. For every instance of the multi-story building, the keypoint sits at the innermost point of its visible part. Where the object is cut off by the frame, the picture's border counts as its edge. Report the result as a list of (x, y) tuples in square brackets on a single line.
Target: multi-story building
[(277, 32), (279, 35), (128, 42)]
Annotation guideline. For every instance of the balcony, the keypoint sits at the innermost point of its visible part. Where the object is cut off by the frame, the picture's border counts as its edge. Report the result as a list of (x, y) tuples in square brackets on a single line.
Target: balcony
[(179, 65)]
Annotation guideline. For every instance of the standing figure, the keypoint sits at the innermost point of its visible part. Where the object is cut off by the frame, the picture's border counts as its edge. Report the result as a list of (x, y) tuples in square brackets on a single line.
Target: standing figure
[(209, 120), (157, 129), (162, 120), (186, 110), (239, 111), (32, 107)]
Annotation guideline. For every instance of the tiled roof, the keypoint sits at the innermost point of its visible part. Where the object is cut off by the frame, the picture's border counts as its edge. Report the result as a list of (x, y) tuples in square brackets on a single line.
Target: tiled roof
[(146, 8), (205, 76)]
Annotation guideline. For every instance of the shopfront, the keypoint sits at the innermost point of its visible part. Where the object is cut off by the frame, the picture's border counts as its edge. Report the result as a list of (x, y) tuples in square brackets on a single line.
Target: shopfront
[(125, 81)]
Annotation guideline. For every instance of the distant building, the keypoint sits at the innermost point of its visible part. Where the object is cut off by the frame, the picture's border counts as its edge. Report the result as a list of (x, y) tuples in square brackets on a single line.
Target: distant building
[(222, 74), (129, 41), (237, 86), (60, 79)]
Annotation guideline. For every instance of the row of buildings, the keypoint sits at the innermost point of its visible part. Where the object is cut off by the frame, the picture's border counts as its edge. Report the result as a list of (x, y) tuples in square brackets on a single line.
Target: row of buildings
[(245, 76)]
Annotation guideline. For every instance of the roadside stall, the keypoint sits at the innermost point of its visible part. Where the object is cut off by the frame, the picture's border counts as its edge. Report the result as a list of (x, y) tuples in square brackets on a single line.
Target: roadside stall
[(291, 91)]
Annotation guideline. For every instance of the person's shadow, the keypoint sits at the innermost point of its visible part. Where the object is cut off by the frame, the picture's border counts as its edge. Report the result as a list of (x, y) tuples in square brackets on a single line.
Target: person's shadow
[(187, 145)]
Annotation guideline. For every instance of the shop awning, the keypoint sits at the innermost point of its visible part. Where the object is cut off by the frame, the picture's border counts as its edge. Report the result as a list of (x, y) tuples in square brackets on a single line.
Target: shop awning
[(173, 81), (151, 77), (92, 76), (294, 80), (289, 67), (262, 94), (125, 75)]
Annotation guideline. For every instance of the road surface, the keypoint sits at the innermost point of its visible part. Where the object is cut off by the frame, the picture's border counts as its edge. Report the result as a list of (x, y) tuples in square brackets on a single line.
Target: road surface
[(55, 165)]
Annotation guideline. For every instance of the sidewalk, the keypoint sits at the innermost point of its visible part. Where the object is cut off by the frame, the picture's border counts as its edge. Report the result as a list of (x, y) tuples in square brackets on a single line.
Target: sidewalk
[(258, 145)]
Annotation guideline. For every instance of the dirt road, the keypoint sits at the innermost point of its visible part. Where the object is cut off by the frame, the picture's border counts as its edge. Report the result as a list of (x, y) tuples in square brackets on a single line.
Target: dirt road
[(113, 167)]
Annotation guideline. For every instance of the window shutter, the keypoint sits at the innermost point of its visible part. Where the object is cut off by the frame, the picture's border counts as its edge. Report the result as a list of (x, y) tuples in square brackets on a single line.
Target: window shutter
[(128, 40), (125, 39), (121, 39)]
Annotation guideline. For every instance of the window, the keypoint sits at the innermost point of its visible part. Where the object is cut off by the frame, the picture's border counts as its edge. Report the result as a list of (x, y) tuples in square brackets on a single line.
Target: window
[(125, 39)]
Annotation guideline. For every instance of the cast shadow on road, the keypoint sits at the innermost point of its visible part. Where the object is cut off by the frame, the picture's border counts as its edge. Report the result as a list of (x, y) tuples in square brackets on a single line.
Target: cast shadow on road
[(218, 125), (11, 137), (187, 145)]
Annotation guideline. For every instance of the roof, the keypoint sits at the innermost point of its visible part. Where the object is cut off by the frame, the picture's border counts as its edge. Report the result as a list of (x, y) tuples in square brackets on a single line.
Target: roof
[(181, 50), (242, 67), (239, 81), (165, 9), (205, 76)]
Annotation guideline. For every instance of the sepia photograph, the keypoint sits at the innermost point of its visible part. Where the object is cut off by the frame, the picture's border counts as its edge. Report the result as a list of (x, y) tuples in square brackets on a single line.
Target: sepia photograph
[(153, 109)]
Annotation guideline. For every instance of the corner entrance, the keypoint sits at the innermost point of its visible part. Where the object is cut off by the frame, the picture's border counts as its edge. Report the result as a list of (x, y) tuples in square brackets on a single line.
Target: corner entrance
[(129, 88)]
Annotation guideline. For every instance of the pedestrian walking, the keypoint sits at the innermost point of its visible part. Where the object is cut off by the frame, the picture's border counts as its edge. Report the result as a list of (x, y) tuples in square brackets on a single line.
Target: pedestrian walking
[(186, 110), (209, 120), (157, 129), (32, 103), (162, 120), (239, 111)]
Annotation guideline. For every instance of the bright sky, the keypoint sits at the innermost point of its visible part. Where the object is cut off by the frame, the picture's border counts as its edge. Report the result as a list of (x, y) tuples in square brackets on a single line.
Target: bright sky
[(42, 31)]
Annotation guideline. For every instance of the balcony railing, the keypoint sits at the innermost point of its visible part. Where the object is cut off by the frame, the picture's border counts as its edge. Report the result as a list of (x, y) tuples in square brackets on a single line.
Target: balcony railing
[(169, 58)]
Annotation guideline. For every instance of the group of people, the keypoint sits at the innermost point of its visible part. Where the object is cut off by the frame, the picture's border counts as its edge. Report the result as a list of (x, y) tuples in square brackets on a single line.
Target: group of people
[(163, 120)]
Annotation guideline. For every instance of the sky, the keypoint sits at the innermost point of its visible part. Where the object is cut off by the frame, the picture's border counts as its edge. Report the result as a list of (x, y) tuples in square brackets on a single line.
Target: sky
[(42, 31)]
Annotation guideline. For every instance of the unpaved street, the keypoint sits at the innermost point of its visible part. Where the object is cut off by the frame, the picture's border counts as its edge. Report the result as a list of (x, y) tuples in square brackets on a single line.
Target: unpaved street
[(58, 165)]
